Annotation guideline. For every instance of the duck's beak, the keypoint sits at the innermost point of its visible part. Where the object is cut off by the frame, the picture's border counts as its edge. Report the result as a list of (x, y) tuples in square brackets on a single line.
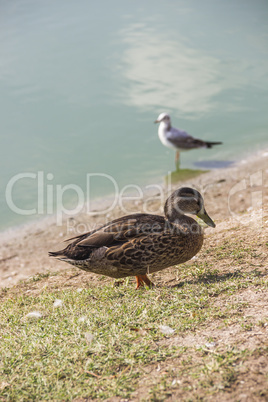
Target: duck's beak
[(204, 216), (156, 121)]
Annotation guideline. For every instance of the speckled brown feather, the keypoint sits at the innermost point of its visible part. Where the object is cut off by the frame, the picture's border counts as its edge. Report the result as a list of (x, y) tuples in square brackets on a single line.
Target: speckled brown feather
[(145, 244), (114, 233), (138, 244)]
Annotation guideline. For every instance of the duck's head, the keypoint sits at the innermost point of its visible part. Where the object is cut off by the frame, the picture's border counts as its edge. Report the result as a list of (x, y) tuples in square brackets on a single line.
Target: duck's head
[(186, 200), (163, 117)]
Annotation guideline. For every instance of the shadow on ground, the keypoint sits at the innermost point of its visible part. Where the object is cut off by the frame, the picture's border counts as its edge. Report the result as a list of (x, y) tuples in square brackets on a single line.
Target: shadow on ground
[(214, 164), (217, 278)]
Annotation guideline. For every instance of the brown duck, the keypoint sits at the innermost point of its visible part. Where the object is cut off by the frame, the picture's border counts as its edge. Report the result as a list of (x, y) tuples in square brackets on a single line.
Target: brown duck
[(139, 244)]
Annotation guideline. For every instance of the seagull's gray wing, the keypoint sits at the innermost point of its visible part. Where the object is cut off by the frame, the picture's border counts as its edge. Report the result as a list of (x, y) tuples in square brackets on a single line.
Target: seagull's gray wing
[(182, 140)]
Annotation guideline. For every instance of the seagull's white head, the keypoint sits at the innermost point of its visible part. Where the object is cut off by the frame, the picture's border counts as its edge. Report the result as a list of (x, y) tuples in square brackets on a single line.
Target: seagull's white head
[(163, 117)]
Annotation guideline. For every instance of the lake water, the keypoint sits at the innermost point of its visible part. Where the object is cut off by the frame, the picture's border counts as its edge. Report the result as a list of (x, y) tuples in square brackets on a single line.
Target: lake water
[(81, 83)]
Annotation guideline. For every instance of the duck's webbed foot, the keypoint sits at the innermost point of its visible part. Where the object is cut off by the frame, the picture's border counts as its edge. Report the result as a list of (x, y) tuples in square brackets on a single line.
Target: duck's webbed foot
[(143, 279)]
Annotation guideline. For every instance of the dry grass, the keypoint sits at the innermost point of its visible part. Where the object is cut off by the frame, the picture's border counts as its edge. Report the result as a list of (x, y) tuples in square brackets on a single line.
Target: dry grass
[(105, 341)]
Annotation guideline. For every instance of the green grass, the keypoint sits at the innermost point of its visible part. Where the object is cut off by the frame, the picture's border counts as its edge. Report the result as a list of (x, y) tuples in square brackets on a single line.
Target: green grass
[(184, 174), (97, 344)]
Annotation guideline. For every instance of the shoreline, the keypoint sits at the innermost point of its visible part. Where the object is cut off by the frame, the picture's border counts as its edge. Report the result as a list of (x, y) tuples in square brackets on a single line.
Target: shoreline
[(47, 219), (23, 249)]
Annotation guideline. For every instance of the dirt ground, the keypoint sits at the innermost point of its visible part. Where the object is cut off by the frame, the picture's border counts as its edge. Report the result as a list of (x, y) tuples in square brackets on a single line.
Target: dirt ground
[(236, 196), (237, 200)]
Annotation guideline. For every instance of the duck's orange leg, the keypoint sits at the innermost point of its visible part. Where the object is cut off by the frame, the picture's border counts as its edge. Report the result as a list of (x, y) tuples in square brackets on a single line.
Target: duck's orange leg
[(143, 279)]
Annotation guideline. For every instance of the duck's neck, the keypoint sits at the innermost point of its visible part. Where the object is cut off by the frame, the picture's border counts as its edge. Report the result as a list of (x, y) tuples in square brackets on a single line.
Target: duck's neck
[(183, 222), (174, 216)]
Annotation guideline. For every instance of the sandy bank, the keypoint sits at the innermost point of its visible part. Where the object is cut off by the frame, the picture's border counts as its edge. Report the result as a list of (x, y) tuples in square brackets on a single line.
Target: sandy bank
[(235, 196)]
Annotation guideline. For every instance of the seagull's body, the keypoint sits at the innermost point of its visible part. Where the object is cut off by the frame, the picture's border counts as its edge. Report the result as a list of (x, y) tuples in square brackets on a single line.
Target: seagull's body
[(178, 139)]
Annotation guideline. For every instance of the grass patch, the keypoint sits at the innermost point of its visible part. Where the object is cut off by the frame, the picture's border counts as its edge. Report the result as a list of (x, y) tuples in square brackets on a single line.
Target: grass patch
[(99, 341), (183, 175)]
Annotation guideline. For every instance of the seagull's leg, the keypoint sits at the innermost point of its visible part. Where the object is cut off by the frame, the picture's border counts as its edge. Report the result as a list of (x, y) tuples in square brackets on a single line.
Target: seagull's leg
[(143, 279), (177, 160)]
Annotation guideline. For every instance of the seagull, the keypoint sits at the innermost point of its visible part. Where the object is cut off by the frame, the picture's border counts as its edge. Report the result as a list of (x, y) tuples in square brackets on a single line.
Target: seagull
[(178, 139)]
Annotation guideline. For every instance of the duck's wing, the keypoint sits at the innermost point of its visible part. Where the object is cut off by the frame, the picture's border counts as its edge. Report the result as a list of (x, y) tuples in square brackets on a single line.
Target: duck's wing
[(123, 229), (114, 233)]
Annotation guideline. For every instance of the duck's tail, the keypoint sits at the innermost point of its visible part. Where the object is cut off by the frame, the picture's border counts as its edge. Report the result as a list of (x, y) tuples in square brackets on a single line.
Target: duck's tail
[(56, 253), (210, 144)]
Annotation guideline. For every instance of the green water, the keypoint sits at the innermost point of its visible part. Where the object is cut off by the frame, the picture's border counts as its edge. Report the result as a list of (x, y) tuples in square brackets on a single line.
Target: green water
[(81, 83)]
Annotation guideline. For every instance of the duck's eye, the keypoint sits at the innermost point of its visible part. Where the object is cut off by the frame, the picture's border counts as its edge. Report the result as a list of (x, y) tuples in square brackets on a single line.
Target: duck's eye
[(189, 196)]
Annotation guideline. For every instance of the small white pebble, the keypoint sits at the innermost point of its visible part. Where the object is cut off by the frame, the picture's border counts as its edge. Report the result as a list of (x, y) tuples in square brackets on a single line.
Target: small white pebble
[(58, 303), (166, 330), (79, 290), (174, 382), (34, 314), (210, 344), (89, 337), (82, 319), (3, 385)]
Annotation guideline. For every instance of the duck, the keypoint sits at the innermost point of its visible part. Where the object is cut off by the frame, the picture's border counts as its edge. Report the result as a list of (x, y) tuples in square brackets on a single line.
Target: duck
[(178, 139), (140, 244)]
